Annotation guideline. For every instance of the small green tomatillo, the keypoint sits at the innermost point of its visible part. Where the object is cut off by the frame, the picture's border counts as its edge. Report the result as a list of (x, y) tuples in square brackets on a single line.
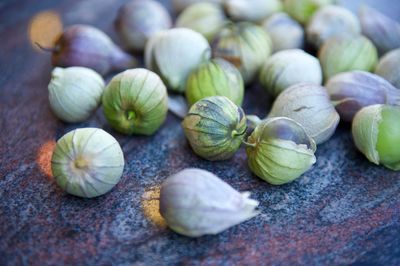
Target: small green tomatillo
[(216, 77), (342, 54), (245, 45), (136, 102), (87, 162), (215, 128), (279, 150), (376, 133)]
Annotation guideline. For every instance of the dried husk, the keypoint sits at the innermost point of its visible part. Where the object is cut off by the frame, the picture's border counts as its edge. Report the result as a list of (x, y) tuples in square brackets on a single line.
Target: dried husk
[(87, 46), (195, 202), (383, 31), (351, 91)]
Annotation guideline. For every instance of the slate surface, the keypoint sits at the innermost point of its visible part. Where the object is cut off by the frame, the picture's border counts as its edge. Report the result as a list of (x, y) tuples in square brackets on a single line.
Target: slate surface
[(344, 211)]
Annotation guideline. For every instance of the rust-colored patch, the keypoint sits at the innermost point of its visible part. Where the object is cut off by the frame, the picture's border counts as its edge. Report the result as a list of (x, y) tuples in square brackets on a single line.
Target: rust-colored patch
[(236, 61), (151, 206), (43, 157)]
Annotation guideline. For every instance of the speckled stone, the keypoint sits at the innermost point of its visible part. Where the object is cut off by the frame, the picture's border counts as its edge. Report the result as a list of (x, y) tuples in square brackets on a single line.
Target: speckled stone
[(345, 210)]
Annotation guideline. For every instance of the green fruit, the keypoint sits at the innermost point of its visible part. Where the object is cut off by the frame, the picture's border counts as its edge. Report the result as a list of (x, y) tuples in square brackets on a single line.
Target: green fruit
[(348, 53), (136, 102), (376, 133), (279, 150), (216, 78), (215, 128)]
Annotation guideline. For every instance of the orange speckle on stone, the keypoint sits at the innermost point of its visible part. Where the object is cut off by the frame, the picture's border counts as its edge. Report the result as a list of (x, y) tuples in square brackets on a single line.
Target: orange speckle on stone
[(151, 206), (43, 157)]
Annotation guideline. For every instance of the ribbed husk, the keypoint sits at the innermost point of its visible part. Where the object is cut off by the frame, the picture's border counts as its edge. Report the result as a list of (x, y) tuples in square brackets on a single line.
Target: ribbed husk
[(174, 54), (136, 102), (331, 21), (376, 133), (285, 32), (75, 93), (309, 105), (365, 129), (195, 202), (215, 128), (289, 67), (251, 10), (303, 10), (245, 45), (217, 77), (344, 54), (276, 159), (351, 91), (87, 162), (205, 18), (179, 5)]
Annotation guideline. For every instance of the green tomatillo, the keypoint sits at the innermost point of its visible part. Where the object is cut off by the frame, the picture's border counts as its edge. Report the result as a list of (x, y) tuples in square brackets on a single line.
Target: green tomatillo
[(216, 77), (376, 133), (215, 128), (136, 102)]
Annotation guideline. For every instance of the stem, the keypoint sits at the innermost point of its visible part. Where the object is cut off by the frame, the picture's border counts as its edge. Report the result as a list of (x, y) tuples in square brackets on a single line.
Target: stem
[(247, 144)]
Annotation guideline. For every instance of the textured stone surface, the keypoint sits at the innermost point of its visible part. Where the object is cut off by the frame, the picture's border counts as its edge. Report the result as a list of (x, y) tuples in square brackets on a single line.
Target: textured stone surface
[(343, 211)]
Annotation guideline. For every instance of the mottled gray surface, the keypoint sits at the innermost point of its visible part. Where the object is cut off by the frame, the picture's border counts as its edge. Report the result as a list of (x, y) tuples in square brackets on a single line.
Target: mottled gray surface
[(344, 211)]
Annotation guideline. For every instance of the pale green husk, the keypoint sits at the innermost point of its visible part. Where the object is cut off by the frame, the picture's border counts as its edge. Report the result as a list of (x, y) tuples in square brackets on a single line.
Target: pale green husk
[(303, 10), (251, 10), (217, 77), (215, 128), (245, 45), (344, 54), (289, 67), (276, 160), (87, 162), (285, 32), (365, 129), (136, 102), (331, 21), (75, 93), (174, 54), (309, 105), (195, 202), (389, 67), (205, 18), (180, 5)]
